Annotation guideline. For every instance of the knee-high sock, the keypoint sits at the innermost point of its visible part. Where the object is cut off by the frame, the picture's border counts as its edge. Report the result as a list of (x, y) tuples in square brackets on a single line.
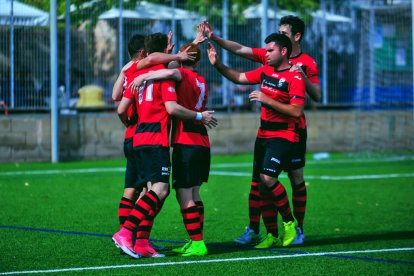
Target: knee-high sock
[(200, 207), (254, 207), (191, 219), (145, 226), (144, 209), (281, 201), (269, 215), (125, 207), (299, 198)]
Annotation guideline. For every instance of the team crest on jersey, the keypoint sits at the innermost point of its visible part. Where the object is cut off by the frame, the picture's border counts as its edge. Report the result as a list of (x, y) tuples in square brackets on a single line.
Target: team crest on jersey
[(281, 82), (171, 89)]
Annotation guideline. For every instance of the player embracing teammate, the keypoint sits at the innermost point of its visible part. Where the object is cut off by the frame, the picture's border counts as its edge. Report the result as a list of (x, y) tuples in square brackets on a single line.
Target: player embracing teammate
[(156, 101)]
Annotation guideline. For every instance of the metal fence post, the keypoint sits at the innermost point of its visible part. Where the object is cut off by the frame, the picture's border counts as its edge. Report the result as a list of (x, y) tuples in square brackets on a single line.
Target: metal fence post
[(67, 55), (11, 55), (225, 82), (54, 82), (324, 55), (121, 37)]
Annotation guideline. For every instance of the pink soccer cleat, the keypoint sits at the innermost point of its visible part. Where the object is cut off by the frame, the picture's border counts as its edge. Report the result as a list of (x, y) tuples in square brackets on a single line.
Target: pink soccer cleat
[(123, 240), (144, 249)]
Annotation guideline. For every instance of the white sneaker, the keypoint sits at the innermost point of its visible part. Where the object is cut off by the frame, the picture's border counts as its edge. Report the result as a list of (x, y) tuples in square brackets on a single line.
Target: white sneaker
[(248, 237), (300, 237)]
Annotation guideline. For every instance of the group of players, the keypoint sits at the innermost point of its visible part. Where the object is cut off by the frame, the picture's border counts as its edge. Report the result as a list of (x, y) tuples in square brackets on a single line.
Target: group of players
[(154, 98)]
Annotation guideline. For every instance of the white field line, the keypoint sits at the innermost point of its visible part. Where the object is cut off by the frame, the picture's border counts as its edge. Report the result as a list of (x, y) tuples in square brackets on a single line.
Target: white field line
[(222, 165), (220, 173), (297, 255), (324, 177), (325, 161)]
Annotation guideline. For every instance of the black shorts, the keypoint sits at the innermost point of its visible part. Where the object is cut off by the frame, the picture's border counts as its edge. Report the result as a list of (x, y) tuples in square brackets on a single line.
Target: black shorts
[(153, 165), (131, 172), (271, 157), (190, 166), (299, 152)]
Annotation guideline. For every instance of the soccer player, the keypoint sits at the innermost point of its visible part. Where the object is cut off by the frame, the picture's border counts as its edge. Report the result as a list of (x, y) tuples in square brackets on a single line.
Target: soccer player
[(136, 52), (293, 27), (155, 101), (282, 97), (191, 154)]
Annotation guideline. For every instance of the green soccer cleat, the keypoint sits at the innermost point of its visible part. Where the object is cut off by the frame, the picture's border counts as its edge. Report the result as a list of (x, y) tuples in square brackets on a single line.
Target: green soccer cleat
[(290, 232), (183, 248), (197, 248), (269, 241)]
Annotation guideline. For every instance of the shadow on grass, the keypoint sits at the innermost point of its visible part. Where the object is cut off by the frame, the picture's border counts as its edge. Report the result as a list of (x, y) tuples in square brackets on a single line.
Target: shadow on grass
[(231, 247), (366, 237)]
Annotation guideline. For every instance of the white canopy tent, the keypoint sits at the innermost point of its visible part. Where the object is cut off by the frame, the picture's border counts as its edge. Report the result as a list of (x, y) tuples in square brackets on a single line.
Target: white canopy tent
[(331, 17), (256, 11), (145, 10), (23, 14), (162, 12), (115, 13)]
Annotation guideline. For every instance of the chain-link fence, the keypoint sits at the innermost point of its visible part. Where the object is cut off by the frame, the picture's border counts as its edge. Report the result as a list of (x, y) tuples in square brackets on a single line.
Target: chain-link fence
[(363, 50)]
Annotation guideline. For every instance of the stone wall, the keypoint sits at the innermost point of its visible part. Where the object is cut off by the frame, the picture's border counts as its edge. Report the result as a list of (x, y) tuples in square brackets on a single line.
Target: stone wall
[(26, 137)]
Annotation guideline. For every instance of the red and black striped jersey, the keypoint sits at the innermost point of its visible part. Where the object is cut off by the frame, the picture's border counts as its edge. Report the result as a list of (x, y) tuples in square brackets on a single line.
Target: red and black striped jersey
[(303, 60), (192, 93), (132, 110), (154, 122), (285, 87)]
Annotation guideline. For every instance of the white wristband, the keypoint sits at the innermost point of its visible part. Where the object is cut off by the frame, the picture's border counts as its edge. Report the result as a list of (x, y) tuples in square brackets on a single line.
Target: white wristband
[(199, 116)]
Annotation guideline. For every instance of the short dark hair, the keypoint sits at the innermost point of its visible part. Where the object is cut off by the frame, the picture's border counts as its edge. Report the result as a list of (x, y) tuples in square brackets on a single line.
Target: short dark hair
[(156, 42), (193, 48), (297, 24), (136, 44), (280, 40)]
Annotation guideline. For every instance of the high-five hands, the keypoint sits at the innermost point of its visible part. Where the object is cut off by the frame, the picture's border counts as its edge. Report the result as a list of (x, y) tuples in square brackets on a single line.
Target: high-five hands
[(212, 54)]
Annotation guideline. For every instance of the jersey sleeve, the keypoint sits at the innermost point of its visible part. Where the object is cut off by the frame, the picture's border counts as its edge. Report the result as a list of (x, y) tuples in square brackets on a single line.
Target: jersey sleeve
[(312, 72), (168, 91), (297, 90), (128, 92), (259, 55), (254, 76)]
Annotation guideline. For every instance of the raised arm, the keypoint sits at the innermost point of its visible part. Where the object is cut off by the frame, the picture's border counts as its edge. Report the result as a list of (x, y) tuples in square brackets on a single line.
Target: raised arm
[(231, 46), (231, 74), (162, 58), (200, 38)]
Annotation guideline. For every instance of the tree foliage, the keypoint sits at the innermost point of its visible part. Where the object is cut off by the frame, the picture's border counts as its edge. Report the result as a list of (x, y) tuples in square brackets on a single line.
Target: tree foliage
[(211, 9)]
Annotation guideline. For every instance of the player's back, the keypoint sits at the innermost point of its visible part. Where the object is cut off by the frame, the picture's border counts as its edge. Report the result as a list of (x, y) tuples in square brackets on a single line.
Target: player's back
[(192, 93)]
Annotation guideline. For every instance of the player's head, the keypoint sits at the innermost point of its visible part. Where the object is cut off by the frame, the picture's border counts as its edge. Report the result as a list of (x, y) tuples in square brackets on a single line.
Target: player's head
[(136, 45), (193, 48), (156, 42), (278, 48), (293, 27)]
